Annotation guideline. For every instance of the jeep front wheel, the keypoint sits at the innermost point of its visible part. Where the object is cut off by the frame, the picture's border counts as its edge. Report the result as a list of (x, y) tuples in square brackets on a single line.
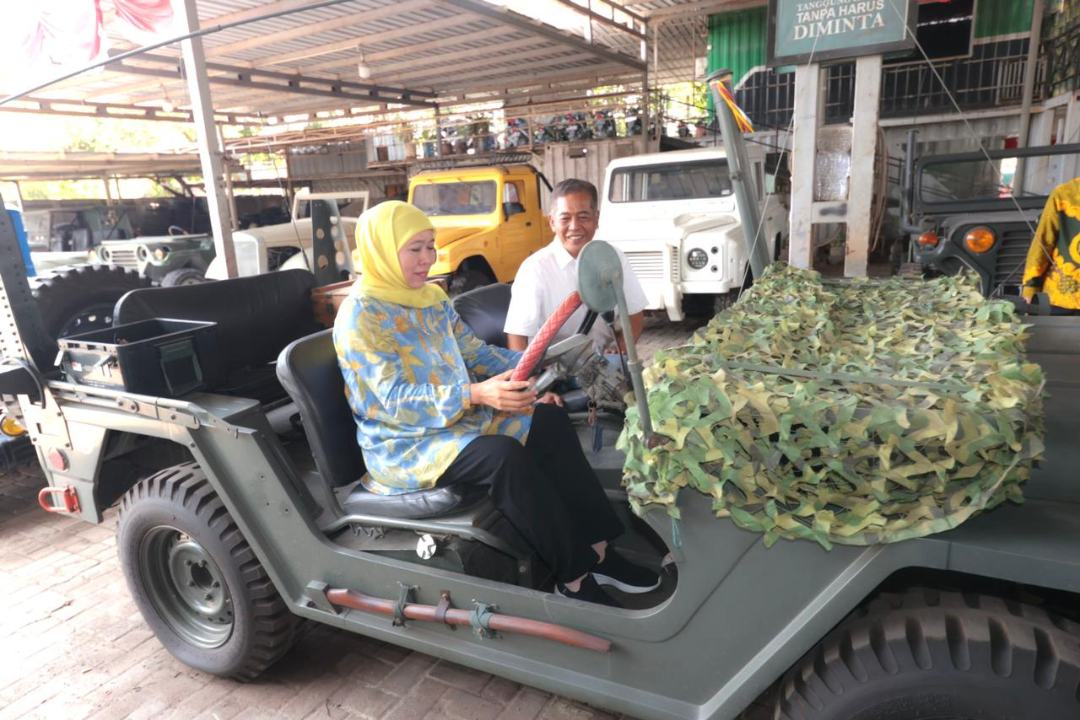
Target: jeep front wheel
[(195, 579), (930, 655)]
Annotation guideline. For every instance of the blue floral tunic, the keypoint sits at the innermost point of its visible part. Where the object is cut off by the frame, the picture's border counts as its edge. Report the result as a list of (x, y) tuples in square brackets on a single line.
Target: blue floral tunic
[(407, 374)]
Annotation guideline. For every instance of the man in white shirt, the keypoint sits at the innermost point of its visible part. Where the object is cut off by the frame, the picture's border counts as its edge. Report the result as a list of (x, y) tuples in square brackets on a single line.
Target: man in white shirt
[(548, 276)]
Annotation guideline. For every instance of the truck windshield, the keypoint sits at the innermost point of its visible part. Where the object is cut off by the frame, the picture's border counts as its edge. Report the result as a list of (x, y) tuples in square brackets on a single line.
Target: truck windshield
[(677, 181), (949, 181), (457, 198)]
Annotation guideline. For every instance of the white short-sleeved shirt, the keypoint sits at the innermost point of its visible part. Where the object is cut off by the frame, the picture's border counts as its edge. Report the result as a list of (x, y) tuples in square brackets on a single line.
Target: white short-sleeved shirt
[(545, 279)]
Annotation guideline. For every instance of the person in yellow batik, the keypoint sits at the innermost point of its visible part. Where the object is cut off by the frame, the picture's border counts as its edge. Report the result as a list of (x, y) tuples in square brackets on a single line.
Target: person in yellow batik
[(1053, 262), (434, 406)]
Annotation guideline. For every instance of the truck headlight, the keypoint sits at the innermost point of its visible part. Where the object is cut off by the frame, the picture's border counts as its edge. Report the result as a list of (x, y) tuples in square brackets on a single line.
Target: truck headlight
[(160, 253), (103, 255), (697, 258), (979, 240)]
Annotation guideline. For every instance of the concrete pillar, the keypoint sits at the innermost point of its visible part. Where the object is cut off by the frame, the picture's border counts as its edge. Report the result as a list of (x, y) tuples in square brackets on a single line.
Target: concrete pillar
[(804, 159), (1038, 168), (864, 136), (210, 154), (1071, 167)]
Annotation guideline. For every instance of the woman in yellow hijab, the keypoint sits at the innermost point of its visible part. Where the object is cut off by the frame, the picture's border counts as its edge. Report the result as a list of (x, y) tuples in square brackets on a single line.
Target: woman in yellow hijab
[(434, 405)]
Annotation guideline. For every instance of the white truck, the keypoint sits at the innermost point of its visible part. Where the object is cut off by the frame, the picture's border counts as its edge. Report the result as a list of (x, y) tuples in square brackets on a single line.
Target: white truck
[(674, 216), (288, 245)]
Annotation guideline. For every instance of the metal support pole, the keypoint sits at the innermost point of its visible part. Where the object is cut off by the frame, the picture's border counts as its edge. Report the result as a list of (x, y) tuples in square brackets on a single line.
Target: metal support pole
[(804, 161), (757, 248), (1029, 93), (234, 218), (438, 134), (210, 155), (864, 136)]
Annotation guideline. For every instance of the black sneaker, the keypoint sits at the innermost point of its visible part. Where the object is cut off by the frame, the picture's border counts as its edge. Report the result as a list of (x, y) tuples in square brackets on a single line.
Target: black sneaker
[(624, 575), (589, 591)]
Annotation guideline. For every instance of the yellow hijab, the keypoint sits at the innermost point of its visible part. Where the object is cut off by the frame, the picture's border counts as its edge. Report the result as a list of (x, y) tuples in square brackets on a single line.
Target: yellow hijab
[(380, 233)]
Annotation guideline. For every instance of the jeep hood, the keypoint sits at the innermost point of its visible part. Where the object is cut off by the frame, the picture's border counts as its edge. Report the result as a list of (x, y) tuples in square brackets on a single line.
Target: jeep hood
[(668, 229), (446, 235)]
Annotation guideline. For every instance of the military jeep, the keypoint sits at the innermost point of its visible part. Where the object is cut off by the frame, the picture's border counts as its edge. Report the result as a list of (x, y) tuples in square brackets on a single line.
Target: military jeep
[(241, 514), (963, 213)]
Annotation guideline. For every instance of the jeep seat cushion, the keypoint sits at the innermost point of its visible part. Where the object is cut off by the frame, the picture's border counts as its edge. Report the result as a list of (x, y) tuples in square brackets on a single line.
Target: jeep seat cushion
[(256, 316), (308, 370), (484, 310)]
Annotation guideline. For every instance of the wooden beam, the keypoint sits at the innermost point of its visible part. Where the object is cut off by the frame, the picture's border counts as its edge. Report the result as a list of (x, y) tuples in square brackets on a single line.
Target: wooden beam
[(436, 70)]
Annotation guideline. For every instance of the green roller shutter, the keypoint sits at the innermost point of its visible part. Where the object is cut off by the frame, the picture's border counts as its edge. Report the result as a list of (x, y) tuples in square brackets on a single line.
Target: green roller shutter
[(737, 42), (994, 18)]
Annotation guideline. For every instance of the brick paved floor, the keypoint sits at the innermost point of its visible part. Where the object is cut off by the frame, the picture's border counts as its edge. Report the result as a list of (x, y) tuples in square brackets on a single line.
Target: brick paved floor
[(73, 645)]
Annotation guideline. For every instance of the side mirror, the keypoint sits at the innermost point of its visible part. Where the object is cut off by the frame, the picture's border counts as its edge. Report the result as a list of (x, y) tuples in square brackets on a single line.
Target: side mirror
[(512, 208)]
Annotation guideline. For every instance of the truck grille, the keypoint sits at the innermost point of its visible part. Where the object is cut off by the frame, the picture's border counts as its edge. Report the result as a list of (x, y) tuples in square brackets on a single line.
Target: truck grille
[(648, 266), (1011, 256), (124, 258)]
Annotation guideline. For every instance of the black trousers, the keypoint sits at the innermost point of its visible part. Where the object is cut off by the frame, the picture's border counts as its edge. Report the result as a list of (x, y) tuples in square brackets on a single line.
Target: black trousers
[(546, 489)]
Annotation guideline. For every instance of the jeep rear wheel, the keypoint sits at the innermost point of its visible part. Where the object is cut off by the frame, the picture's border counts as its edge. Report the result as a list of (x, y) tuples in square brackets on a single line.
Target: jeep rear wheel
[(929, 655), (466, 279), (195, 579)]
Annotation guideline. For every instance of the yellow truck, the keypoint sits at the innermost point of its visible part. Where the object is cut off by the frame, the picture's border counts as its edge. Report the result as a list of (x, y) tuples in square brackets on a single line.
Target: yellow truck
[(487, 218)]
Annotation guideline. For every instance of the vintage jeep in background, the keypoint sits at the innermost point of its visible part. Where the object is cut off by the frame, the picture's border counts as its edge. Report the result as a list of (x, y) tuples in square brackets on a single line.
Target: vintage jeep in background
[(961, 211), (488, 216), (674, 216), (165, 260)]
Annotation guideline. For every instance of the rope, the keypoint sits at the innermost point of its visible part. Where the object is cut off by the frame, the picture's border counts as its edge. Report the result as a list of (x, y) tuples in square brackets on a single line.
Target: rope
[(539, 345)]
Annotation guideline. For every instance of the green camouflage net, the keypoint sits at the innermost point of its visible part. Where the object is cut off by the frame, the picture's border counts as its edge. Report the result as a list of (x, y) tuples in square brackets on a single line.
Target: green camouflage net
[(858, 412)]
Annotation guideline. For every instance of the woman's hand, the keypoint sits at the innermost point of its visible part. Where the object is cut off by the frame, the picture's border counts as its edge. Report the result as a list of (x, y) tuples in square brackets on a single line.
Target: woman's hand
[(502, 393), (551, 398)]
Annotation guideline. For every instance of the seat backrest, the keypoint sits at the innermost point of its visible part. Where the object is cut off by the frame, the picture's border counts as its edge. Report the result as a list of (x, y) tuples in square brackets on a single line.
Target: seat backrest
[(257, 316), (484, 310), (308, 370)]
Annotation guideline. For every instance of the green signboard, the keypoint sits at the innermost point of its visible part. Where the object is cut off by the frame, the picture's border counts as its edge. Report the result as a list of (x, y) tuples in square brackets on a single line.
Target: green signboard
[(815, 30)]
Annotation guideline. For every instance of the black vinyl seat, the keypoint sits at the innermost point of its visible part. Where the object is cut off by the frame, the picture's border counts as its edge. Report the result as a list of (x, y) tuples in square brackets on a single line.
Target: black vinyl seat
[(256, 317), (308, 370), (484, 310)]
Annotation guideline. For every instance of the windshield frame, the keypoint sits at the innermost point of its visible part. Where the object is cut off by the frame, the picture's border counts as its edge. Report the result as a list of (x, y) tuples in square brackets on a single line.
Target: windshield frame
[(496, 194), (676, 167)]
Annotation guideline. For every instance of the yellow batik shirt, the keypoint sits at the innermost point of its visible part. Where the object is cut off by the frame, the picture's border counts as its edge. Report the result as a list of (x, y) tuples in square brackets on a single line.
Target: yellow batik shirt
[(407, 373), (1053, 262)]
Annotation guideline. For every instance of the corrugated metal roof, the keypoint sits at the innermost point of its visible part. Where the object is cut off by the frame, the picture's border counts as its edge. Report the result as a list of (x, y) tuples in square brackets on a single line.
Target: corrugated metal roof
[(439, 47)]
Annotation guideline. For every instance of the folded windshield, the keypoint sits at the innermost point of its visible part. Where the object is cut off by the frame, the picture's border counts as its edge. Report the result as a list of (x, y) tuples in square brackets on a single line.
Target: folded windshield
[(455, 198)]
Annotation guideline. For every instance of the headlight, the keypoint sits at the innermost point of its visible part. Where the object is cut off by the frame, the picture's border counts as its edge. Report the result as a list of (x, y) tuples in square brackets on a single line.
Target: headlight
[(160, 253), (697, 258), (928, 239), (103, 255), (979, 240)]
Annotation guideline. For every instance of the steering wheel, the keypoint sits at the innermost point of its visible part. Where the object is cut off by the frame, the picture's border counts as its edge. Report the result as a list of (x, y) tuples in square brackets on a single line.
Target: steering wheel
[(534, 353)]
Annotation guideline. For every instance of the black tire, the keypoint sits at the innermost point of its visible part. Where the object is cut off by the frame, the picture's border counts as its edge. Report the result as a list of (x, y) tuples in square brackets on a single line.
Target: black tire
[(466, 279), (723, 301), (176, 540), (184, 276), (81, 298), (706, 306), (929, 655)]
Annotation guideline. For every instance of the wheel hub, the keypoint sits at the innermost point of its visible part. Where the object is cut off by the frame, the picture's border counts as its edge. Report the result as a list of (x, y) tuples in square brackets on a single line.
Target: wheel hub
[(186, 587)]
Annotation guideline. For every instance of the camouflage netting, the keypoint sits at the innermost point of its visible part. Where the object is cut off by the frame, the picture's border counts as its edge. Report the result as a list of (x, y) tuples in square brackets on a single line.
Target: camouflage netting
[(847, 412)]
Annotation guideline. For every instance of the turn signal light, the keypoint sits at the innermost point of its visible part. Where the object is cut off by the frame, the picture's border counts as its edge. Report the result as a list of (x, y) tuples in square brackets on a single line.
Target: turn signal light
[(979, 240), (10, 427), (928, 239)]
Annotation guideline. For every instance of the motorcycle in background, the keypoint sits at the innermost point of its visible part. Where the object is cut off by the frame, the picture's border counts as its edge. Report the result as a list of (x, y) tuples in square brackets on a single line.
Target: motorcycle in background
[(603, 124), (683, 129), (517, 134), (633, 122), (575, 128)]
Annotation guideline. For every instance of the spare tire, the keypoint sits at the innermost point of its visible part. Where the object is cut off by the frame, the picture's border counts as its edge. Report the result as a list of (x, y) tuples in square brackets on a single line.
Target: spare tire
[(81, 298)]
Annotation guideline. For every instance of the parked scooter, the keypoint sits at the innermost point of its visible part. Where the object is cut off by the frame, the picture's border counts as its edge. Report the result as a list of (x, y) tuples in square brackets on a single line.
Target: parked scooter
[(603, 124), (633, 122), (517, 134), (543, 135), (576, 128), (683, 129)]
